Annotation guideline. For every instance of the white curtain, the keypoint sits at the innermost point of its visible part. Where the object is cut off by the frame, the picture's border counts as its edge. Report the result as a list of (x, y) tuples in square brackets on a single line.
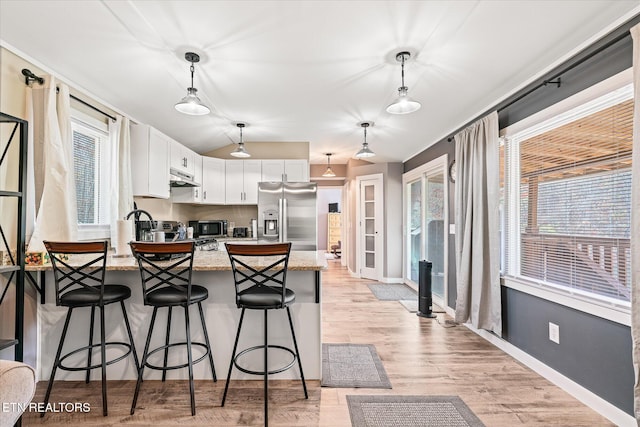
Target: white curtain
[(635, 222), (121, 185), (52, 165), (477, 225)]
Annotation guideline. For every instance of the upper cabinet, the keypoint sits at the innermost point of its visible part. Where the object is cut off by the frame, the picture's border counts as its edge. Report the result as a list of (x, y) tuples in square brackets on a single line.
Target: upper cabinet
[(213, 181), (183, 159), (296, 170), (242, 178), (150, 155)]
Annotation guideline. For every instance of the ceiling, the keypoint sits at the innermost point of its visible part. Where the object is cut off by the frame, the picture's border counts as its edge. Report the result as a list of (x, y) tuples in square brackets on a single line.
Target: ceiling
[(304, 70)]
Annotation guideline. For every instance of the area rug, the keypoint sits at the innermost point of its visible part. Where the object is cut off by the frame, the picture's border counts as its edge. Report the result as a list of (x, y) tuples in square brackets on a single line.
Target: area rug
[(392, 291), (352, 366), (410, 411)]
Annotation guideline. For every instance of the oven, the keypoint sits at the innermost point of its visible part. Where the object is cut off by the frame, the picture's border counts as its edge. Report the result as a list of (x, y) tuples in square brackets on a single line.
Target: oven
[(213, 228)]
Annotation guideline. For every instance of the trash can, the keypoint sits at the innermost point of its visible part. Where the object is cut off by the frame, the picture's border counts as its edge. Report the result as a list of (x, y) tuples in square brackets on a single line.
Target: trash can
[(425, 302)]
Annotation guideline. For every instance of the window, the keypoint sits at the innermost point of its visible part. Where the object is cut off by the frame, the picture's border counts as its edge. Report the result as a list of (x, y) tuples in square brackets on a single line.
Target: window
[(92, 166), (566, 188)]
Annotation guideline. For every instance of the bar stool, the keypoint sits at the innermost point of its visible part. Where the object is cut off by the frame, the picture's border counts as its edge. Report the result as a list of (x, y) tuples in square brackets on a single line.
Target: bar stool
[(262, 288), (84, 286), (165, 270)]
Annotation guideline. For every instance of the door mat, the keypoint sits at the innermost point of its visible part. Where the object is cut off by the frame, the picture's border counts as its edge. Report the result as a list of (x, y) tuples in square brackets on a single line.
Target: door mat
[(410, 411), (392, 291), (352, 366)]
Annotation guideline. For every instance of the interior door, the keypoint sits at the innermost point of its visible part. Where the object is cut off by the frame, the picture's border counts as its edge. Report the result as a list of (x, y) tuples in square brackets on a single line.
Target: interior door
[(371, 229)]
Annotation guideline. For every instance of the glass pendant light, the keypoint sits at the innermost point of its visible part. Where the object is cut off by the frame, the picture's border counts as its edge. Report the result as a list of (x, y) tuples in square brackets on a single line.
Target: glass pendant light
[(191, 104), (365, 151), (404, 104), (240, 151), (329, 173)]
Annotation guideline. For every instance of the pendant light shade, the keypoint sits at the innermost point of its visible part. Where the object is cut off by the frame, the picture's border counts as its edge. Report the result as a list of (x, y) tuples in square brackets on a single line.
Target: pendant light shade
[(329, 173), (240, 151), (365, 151), (191, 104), (404, 104)]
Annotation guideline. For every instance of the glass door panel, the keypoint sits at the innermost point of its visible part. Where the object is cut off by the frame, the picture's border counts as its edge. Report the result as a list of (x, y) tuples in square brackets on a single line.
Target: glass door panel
[(435, 233), (414, 231)]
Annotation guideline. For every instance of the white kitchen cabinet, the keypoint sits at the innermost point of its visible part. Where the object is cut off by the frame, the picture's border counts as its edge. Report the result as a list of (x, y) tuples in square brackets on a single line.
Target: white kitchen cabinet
[(150, 162), (242, 178), (213, 181), (292, 170), (182, 158), (190, 194)]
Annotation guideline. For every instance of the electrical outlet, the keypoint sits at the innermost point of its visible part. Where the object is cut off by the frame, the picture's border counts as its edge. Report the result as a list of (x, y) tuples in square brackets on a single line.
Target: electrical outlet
[(554, 333)]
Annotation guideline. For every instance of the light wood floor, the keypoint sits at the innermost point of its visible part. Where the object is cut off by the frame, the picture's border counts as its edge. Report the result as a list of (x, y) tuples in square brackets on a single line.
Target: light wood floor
[(420, 356)]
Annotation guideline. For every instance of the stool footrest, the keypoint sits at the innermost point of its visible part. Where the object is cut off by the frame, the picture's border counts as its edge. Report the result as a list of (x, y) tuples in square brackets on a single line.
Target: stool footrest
[(88, 347), (168, 368), (261, 347)]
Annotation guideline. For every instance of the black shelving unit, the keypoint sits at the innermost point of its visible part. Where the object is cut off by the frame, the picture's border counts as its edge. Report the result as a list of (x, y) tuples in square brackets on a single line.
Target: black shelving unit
[(15, 130)]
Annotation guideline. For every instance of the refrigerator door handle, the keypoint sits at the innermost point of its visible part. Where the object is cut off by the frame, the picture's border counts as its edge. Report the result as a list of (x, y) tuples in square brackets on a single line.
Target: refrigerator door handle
[(285, 224), (280, 222)]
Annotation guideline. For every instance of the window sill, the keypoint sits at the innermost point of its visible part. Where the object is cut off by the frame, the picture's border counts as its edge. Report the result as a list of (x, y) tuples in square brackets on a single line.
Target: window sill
[(93, 232), (619, 312)]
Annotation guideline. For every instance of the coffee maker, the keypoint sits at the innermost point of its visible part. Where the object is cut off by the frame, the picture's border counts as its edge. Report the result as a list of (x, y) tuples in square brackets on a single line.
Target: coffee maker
[(144, 229)]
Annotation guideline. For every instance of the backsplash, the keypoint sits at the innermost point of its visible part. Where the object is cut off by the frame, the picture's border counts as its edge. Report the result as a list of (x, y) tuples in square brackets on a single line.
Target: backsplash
[(163, 209)]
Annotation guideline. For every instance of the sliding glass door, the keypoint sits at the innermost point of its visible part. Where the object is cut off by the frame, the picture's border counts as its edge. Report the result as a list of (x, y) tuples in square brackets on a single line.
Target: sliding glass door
[(425, 206)]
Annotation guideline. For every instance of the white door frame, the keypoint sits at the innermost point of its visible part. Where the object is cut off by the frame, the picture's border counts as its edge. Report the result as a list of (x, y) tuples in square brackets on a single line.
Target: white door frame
[(438, 165), (380, 228)]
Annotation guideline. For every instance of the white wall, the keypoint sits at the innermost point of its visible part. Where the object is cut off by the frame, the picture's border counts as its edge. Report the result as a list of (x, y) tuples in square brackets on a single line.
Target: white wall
[(326, 195)]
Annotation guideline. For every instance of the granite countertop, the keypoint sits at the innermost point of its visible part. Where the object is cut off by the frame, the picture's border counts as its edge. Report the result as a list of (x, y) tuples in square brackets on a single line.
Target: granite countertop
[(208, 261)]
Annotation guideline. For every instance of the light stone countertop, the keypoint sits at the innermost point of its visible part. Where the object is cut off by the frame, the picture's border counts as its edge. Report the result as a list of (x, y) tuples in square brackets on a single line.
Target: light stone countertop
[(208, 261)]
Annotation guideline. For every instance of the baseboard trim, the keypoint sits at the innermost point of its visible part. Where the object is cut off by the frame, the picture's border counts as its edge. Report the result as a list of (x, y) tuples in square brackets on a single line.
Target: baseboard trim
[(595, 402), (392, 280)]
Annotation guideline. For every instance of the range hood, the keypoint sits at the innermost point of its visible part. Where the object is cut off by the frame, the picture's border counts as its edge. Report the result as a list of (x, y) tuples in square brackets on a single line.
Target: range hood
[(181, 179)]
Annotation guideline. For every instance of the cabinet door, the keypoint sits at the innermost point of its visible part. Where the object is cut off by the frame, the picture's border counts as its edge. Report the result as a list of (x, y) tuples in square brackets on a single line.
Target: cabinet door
[(177, 159), (296, 170), (150, 155), (272, 170), (252, 176), (192, 162), (234, 182), (213, 181), (158, 165)]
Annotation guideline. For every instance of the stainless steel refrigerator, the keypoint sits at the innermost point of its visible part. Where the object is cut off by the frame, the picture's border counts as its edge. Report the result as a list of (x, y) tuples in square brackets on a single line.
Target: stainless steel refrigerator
[(287, 213)]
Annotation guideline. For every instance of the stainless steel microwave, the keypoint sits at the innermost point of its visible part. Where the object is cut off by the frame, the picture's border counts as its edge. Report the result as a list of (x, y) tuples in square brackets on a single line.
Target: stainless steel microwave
[(215, 228)]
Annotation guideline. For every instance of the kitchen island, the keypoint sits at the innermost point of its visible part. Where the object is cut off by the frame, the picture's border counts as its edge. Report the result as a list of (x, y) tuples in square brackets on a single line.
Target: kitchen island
[(211, 269)]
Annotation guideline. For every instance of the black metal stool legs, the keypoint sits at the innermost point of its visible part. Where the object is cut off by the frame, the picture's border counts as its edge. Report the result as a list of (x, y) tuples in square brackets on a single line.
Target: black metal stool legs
[(266, 370), (90, 349), (166, 342), (144, 361), (56, 363), (133, 347), (233, 356), (103, 362), (206, 338), (190, 359), (295, 346)]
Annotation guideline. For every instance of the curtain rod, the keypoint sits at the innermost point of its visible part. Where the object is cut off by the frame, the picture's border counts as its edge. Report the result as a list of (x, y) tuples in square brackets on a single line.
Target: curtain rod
[(614, 37), (29, 77)]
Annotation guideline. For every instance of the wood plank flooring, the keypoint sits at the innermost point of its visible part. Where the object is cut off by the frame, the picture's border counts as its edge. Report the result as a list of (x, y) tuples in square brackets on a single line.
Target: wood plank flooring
[(420, 356)]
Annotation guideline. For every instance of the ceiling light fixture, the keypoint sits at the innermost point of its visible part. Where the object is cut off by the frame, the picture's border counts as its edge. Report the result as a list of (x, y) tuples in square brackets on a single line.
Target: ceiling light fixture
[(329, 173), (365, 151), (240, 151), (403, 104), (191, 104)]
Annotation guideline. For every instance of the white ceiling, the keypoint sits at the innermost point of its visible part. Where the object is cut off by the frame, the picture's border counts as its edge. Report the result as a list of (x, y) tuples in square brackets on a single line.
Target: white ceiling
[(304, 70)]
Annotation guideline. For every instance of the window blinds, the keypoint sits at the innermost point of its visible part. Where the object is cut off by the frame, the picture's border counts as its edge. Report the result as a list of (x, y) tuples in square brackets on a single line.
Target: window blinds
[(567, 184)]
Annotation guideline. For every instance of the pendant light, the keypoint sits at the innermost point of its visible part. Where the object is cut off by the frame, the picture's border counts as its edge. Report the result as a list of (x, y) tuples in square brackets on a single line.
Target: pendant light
[(191, 104), (240, 151), (404, 104), (365, 151), (329, 173)]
